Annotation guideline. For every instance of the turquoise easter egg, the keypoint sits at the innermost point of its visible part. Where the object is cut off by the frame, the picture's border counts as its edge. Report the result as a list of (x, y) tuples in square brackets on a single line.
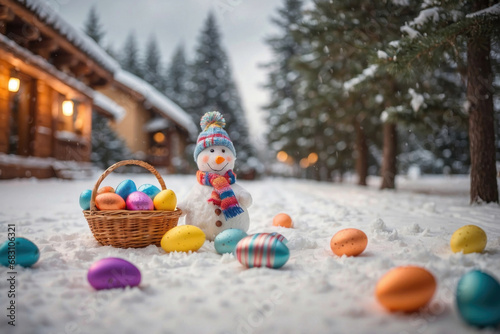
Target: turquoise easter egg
[(150, 190), (19, 251), (85, 199), (478, 299), (226, 241), (125, 188), (262, 250)]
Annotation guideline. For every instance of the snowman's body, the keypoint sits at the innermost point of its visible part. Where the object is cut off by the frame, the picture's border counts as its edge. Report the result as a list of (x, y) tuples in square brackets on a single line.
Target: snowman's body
[(209, 217), (197, 208)]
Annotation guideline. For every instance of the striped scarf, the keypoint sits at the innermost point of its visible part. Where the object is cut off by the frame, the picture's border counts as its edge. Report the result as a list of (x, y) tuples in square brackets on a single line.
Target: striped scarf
[(222, 196)]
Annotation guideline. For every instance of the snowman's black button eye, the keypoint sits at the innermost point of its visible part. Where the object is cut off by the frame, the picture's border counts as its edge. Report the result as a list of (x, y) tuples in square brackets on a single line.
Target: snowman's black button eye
[(223, 151), (212, 150)]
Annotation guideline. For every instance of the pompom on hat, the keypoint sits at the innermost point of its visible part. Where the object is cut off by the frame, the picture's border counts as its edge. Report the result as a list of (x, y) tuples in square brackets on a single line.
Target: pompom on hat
[(212, 133)]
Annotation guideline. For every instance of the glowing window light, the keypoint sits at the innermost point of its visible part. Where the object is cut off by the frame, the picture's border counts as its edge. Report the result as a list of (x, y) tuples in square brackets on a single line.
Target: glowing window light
[(312, 158), (304, 163), (159, 137), (14, 84), (67, 108), (282, 156)]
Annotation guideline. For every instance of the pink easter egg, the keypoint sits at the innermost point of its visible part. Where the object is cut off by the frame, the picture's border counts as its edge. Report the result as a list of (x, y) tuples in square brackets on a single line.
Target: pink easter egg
[(139, 201)]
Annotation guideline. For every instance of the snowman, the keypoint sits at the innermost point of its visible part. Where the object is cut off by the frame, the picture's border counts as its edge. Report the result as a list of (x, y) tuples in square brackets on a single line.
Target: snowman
[(216, 203)]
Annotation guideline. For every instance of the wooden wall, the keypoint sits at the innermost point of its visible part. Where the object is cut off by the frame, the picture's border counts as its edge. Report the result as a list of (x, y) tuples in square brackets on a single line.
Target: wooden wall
[(4, 106)]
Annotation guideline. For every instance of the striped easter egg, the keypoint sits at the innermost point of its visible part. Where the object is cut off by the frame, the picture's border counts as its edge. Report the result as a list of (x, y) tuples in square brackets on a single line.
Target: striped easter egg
[(262, 250)]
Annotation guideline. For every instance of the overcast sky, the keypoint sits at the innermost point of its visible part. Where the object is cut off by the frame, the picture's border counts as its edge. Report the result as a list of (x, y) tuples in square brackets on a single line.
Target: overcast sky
[(244, 25)]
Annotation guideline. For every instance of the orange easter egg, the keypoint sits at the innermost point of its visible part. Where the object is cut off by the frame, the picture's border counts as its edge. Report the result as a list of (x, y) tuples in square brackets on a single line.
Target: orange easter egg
[(405, 288), (110, 201), (106, 189), (349, 242), (283, 220)]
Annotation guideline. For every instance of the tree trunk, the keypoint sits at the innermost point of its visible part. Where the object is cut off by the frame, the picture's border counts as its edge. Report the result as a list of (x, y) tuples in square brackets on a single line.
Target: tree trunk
[(483, 179), (361, 154), (389, 156)]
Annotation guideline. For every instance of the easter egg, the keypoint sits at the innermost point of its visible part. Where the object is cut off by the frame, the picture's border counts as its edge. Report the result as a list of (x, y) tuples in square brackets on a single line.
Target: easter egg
[(110, 201), (139, 201), (106, 189), (349, 242), (85, 197), (277, 235), (468, 239), (478, 299), (183, 238), (113, 272), (165, 200), (19, 251), (125, 188), (226, 241), (262, 250), (405, 288), (283, 220), (150, 190)]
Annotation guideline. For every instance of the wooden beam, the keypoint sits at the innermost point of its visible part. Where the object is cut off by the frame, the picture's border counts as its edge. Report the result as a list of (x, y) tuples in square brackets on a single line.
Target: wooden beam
[(6, 14), (25, 31), (81, 68), (60, 59)]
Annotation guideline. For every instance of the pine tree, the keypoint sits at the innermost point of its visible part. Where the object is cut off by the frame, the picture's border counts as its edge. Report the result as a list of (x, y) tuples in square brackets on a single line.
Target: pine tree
[(93, 27), (346, 95), (214, 89), (461, 31), (176, 79), (282, 83), (152, 67), (107, 147), (130, 56)]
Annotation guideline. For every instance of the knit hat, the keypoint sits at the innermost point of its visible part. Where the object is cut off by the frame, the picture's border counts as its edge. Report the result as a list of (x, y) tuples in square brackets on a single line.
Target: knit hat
[(213, 133)]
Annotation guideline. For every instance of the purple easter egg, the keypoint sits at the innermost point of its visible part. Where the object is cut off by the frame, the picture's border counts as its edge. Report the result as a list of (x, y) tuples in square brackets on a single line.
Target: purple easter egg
[(139, 201), (113, 272)]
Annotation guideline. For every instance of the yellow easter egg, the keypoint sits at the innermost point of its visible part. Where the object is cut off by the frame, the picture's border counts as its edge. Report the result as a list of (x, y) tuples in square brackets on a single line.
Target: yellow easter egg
[(183, 238), (469, 239), (165, 200)]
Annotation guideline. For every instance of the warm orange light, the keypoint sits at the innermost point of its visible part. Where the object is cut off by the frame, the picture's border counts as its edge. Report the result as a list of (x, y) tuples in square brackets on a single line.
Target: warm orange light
[(282, 156), (67, 108), (312, 158), (14, 84), (304, 163), (159, 137)]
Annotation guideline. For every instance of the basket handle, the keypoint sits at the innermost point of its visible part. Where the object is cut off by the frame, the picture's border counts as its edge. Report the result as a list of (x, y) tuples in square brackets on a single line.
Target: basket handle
[(119, 164)]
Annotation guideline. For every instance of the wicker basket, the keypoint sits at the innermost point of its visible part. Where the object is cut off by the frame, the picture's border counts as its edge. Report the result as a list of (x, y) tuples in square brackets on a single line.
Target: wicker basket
[(124, 228)]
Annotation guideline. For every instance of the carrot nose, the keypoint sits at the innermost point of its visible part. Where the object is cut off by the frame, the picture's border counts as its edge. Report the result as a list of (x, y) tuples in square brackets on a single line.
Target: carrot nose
[(219, 159)]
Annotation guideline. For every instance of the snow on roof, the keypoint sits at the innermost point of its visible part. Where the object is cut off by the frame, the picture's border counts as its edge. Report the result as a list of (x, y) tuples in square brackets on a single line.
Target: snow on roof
[(156, 124), (79, 39), (35, 60), (105, 103), (157, 100)]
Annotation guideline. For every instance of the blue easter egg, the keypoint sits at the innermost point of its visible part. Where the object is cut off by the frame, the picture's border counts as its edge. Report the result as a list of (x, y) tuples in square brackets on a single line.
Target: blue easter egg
[(226, 241), (478, 299), (113, 272), (19, 251), (150, 190), (85, 197), (125, 188), (262, 250)]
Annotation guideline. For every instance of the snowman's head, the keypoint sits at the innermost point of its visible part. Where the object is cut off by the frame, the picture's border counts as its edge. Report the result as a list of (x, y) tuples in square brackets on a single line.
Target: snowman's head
[(216, 159)]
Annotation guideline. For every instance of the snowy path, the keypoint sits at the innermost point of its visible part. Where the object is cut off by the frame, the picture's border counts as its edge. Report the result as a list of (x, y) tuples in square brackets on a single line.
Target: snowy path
[(315, 292)]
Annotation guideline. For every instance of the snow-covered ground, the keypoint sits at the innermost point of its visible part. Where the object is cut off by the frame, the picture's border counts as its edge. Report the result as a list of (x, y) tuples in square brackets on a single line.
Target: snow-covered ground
[(203, 292)]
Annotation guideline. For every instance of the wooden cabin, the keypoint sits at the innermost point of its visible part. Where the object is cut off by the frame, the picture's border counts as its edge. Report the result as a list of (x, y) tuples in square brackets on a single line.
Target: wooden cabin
[(52, 77)]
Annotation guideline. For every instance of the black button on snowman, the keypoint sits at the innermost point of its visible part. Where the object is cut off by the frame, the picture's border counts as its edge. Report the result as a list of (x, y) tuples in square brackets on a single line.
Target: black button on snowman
[(216, 203)]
